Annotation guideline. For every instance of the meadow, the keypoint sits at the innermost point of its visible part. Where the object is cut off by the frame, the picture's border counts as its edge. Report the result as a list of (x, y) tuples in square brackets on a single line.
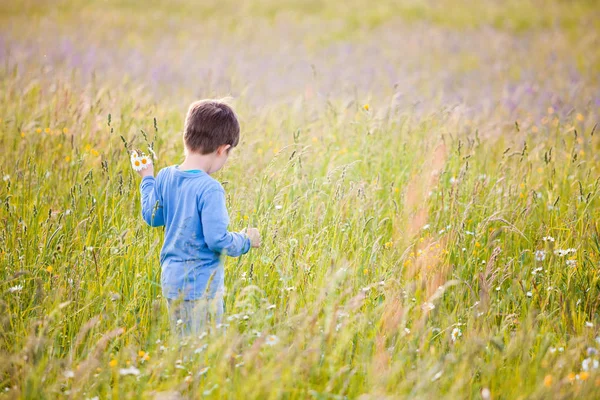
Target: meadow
[(425, 175)]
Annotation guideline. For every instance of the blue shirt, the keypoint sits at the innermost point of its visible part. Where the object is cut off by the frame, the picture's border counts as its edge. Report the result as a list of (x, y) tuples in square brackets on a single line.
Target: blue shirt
[(191, 206)]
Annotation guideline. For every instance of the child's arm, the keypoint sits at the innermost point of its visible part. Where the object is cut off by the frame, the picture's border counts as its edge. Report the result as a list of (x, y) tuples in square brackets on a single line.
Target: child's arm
[(152, 210), (215, 220)]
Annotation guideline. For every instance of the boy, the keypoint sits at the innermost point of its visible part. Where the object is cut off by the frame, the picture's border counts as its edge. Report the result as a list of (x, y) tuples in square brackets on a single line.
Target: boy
[(191, 205)]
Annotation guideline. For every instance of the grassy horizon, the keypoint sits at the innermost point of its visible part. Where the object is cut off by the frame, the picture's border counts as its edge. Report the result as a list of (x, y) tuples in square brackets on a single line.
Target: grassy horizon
[(427, 192)]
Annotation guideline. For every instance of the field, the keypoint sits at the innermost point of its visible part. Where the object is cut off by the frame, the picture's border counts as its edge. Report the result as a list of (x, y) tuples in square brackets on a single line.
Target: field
[(425, 175)]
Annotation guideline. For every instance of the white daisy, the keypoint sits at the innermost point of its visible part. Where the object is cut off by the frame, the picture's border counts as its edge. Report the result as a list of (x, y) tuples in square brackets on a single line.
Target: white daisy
[(271, 340), (540, 255), (146, 161), (456, 333), (129, 371), (548, 239), (16, 288)]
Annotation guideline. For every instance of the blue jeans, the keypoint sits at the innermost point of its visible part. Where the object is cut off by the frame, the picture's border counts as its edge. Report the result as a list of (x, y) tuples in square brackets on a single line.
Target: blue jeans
[(192, 317)]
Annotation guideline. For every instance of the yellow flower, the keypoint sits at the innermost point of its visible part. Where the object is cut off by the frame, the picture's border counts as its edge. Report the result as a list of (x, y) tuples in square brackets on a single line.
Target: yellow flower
[(396, 189), (259, 151), (571, 377), (65, 130), (521, 196), (49, 268), (366, 107), (522, 185), (388, 245), (534, 129), (113, 363), (366, 271), (67, 159), (146, 357), (141, 353), (246, 218), (584, 376), (39, 130), (22, 134), (47, 130), (548, 380), (477, 244), (580, 117), (88, 147), (314, 139), (275, 150), (95, 153), (540, 170)]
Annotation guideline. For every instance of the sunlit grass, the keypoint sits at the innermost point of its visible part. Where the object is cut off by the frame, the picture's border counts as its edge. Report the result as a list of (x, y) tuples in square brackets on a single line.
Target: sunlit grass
[(410, 249)]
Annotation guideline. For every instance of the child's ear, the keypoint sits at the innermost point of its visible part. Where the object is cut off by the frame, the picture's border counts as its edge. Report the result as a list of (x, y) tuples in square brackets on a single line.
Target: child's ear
[(223, 149)]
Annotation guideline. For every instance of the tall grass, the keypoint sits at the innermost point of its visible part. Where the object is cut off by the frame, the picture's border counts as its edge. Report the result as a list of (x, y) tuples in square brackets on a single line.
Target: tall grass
[(410, 244)]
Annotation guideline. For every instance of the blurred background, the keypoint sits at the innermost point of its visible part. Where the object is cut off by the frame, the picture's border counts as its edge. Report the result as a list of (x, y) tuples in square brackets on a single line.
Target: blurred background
[(491, 56)]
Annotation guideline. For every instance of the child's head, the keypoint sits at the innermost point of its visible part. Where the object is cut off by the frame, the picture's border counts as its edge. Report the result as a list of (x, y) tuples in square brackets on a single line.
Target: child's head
[(211, 126)]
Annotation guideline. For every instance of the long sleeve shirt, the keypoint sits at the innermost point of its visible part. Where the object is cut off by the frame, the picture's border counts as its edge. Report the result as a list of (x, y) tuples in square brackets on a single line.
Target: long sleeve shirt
[(191, 207)]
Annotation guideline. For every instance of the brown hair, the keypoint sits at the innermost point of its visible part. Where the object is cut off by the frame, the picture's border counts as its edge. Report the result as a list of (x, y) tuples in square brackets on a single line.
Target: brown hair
[(210, 124)]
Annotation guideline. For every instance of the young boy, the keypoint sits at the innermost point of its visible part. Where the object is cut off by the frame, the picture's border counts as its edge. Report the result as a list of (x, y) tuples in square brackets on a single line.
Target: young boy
[(191, 205)]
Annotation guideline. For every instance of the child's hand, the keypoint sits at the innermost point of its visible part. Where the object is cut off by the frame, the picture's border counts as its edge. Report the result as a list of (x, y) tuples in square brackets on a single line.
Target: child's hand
[(254, 236), (147, 171)]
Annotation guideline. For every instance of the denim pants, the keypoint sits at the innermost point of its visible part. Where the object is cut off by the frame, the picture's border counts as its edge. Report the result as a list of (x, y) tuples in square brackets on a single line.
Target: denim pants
[(192, 317)]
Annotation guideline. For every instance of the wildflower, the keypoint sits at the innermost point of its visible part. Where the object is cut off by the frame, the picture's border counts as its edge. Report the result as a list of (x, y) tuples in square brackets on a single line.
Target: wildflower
[(271, 340), (589, 324), (65, 130), (486, 394), (49, 268), (453, 180), (535, 271), (69, 374), (47, 130), (278, 207), (566, 252), (571, 263), (68, 212), (203, 371), (6, 178), (22, 134), (39, 130), (548, 239), (580, 117), (456, 333), (135, 161), (529, 294), (548, 380), (113, 363), (366, 271), (94, 152), (179, 322), (366, 107), (388, 245), (428, 306), (271, 307), (540, 255), (141, 353), (146, 161), (129, 371), (584, 376), (16, 288), (67, 158), (571, 376)]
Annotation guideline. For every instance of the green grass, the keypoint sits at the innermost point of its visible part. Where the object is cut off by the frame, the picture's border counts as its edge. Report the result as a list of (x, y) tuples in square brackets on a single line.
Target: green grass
[(384, 230)]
